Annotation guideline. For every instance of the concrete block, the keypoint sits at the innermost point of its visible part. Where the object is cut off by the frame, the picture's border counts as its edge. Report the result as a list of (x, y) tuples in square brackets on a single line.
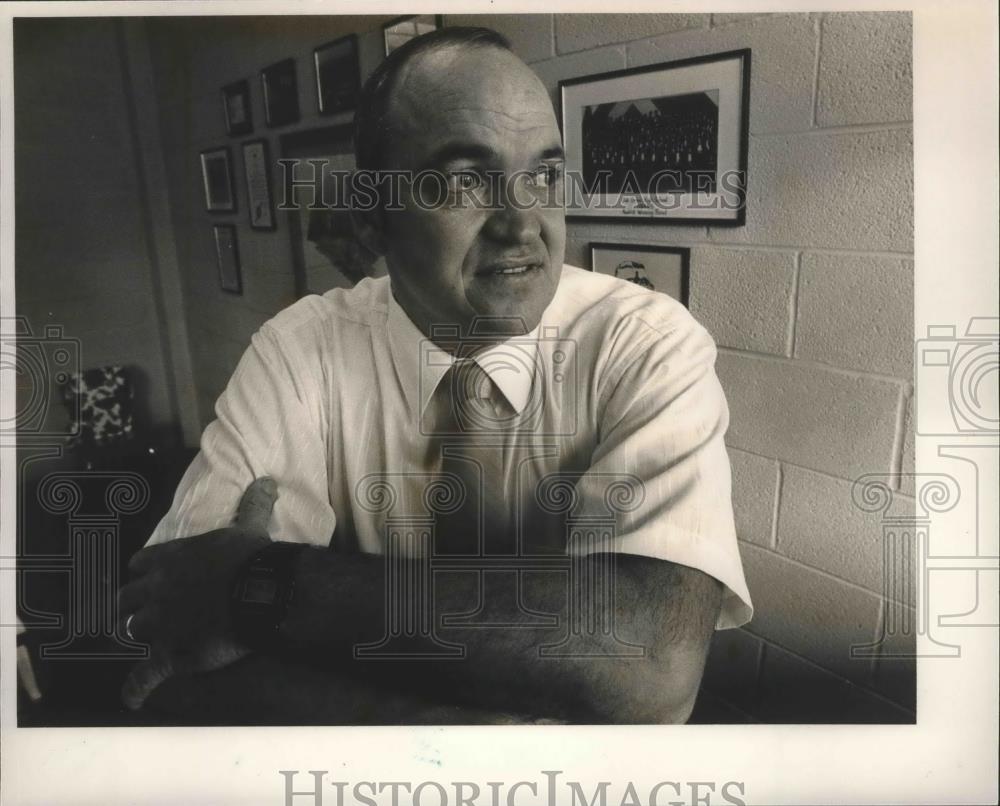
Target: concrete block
[(782, 63), (530, 34), (841, 424), (743, 297), (810, 613), (583, 31), (819, 525), (908, 465), (848, 190), (755, 486), (856, 311), (552, 71), (865, 68), (795, 691), (732, 667)]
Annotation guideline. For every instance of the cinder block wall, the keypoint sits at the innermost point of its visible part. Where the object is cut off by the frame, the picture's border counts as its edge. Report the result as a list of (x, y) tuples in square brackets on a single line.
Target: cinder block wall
[(810, 302)]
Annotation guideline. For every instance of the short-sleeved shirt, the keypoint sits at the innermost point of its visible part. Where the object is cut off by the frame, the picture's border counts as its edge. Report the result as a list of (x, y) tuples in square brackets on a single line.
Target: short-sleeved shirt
[(616, 386)]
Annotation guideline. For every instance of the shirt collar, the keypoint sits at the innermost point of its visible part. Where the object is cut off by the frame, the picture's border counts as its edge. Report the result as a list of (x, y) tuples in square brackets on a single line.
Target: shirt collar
[(421, 364)]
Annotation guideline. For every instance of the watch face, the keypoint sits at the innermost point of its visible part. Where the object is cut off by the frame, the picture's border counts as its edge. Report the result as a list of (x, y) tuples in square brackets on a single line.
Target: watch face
[(259, 591)]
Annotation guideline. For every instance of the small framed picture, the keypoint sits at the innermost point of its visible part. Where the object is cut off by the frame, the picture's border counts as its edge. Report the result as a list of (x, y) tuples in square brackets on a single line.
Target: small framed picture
[(403, 29), (256, 166), (338, 77), (227, 256), (664, 143), (217, 176), (281, 93), (236, 107), (659, 268)]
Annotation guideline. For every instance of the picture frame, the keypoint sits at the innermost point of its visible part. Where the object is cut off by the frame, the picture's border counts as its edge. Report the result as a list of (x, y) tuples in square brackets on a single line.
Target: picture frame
[(236, 108), (217, 180), (279, 83), (227, 256), (664, 142), (338, 75), (402, 29), (256, 168), (661, 268)]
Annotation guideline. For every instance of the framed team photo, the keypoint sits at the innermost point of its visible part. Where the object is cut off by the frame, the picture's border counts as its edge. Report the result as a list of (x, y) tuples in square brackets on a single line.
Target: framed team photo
[(666, 142)]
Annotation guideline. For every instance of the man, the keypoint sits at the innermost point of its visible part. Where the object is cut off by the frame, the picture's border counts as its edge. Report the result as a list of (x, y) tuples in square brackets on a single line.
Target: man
[(347, 403)]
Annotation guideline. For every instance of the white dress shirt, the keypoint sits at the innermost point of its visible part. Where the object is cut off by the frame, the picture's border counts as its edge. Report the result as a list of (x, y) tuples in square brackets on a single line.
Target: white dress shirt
[(616, 386)]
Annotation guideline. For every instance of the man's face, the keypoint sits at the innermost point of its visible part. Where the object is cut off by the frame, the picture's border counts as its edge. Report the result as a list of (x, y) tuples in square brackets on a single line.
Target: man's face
[(494, 247)]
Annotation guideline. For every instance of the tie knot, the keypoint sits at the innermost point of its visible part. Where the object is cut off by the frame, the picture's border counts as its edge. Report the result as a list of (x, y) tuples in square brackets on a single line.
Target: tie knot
[(469, 382), (469, 401)]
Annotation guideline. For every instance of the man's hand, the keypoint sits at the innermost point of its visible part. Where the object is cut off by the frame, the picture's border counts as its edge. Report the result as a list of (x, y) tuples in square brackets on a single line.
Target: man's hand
[(178, 599)]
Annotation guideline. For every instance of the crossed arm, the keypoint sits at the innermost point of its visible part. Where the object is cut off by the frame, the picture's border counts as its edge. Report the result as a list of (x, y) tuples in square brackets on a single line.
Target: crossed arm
[(198, 670)]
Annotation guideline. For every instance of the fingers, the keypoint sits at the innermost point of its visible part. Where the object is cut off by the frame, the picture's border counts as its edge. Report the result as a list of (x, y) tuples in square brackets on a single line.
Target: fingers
[(132, 596), (255, 507), (144, 679)]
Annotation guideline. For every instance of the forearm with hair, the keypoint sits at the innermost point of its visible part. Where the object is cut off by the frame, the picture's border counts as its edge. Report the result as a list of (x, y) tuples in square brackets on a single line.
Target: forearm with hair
[(665, 610)]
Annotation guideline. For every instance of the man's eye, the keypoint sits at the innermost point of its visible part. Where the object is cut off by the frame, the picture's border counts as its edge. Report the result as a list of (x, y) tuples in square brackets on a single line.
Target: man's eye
[(547, 175), (464, 180)]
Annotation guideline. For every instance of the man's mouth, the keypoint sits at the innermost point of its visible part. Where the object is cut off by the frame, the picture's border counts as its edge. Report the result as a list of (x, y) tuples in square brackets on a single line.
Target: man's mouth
[(512, 268)]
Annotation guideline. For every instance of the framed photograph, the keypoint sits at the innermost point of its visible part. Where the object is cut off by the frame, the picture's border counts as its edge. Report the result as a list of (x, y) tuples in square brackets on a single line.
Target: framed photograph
[(236, 107), (256, 166), (281, 93), (217, 177), (400, 30), (665, 143), (659, 268), (227, 257), (338, 77)]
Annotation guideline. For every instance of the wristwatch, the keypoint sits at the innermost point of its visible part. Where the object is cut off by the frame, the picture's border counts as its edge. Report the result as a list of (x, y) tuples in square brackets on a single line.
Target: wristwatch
[(261, 593)]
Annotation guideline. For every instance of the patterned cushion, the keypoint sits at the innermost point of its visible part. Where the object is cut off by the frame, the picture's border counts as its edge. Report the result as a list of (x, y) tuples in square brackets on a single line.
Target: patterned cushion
[(103, 396)]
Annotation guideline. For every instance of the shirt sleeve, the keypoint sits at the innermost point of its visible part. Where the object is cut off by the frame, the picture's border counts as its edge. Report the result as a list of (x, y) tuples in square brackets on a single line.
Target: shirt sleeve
[(264, 426), (661, 433)]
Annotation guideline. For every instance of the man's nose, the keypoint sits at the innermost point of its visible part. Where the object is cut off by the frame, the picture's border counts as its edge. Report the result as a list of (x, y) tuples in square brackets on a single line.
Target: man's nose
[(514, 216)]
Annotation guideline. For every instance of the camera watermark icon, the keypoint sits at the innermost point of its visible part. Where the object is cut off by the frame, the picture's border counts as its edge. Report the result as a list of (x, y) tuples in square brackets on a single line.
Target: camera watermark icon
[(959, 377), (93, 503), (909, 564), (37, 365), (408, 507)]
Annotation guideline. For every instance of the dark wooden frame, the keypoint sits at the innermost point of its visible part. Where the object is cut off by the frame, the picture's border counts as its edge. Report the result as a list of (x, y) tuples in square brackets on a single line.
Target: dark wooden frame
[(739, 218), (327, 108), (267, 184), (241, 87), (683, 251), (216, 228), (438, 25), (271, 101), (214, 206)]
